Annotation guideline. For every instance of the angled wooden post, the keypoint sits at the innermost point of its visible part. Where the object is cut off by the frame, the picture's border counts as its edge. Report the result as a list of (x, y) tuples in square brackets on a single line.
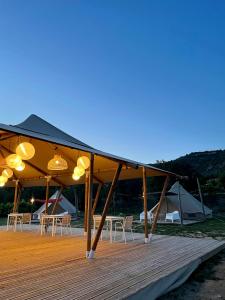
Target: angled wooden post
[(15, 196), (89, 204), (145, 204), (180, 204), (201, 198), (96, 198), (86, 201), (57, 200), (105, 210), (47, 194), (162, 197), (18, 198)]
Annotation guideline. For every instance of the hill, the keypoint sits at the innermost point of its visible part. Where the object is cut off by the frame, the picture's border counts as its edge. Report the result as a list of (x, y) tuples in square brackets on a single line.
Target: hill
[(207, 164)]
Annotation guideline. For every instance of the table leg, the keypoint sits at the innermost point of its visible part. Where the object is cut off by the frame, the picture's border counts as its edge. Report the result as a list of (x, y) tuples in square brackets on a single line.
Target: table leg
[(8, 223), (41, 225), (15, 223), (110, 231), (53, 226)]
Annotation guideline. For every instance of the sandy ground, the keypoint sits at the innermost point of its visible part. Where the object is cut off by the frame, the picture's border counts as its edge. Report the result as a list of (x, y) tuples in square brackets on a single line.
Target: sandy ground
[(206, 283)]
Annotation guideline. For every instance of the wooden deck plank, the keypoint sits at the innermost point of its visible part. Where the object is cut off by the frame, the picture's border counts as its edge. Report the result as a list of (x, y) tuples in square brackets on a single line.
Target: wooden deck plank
[(35, 267)]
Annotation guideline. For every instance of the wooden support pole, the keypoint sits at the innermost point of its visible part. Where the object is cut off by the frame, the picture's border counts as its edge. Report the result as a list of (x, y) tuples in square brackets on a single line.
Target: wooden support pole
[(201, 197), (57, 200), (105, 210), (96, 198), (47, 194), (180, 203), (18, 198), (145, 204), (162, 197), (15, 196), (89, 204), (98, 179), (86, 201)]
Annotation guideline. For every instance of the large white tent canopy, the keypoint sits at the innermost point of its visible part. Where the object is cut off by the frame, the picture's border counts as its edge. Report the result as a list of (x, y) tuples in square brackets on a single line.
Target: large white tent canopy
[(49, 140)]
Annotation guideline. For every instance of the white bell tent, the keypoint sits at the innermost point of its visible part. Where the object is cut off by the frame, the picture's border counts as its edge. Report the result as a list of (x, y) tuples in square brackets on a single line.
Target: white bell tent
[(191, 207), (62, 206)]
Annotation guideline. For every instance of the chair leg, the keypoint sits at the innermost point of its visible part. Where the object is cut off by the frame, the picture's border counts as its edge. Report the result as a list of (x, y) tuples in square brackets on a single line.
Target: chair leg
[(124, 234), (115, 233), (132, 233), (61, 230)]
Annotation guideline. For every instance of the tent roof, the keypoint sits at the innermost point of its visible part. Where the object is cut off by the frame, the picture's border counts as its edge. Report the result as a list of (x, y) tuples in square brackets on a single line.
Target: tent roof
[(48, 140), (38, 125)]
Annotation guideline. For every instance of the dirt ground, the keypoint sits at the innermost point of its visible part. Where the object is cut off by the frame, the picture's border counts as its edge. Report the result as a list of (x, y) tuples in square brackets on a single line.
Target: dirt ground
[(206, 283)]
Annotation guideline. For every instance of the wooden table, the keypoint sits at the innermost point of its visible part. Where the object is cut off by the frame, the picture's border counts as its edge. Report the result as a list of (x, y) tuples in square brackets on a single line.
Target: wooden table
[(15, 217), (53, 218), (110, 220)]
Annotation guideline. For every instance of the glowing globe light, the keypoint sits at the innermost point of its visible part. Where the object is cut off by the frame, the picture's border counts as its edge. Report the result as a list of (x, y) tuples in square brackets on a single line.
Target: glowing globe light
[(83, 162), (25, 150), (79, 171), (7, 173), (57, 163), (3, 180), (75, 177), (20, 167), (13, 160)]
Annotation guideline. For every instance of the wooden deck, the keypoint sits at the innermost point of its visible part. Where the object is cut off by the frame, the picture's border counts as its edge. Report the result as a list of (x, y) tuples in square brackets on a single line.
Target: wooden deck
[(35, 267)]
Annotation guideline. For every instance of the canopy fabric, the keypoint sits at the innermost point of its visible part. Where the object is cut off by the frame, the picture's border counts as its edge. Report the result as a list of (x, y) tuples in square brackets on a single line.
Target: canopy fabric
[(49, 140)]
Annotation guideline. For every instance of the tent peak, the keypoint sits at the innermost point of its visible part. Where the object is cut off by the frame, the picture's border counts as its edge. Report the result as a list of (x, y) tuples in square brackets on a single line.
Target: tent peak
[(36, 124)]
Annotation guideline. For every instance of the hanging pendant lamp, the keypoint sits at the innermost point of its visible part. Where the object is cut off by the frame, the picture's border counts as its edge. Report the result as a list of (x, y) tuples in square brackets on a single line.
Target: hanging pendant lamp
[(79, 171), (20, 167), (75, 177), (25, 150), (84, 162), (7, 173), (13, 160), (3, 180), (57, 163)]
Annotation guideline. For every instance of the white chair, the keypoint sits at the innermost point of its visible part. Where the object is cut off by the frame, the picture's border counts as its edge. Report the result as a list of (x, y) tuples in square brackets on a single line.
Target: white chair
[(64, 222), (25, 219), (126, 225), (149, 216), (44, 223), (174, 216), (97, 220)]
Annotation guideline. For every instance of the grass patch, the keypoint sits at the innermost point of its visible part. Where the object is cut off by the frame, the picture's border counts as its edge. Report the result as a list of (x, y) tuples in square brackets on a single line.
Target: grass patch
[(3, 221), (214, 227)]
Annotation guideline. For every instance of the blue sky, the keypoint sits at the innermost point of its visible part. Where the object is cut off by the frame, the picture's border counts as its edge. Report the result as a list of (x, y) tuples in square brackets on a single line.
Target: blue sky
[(141, 79)]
